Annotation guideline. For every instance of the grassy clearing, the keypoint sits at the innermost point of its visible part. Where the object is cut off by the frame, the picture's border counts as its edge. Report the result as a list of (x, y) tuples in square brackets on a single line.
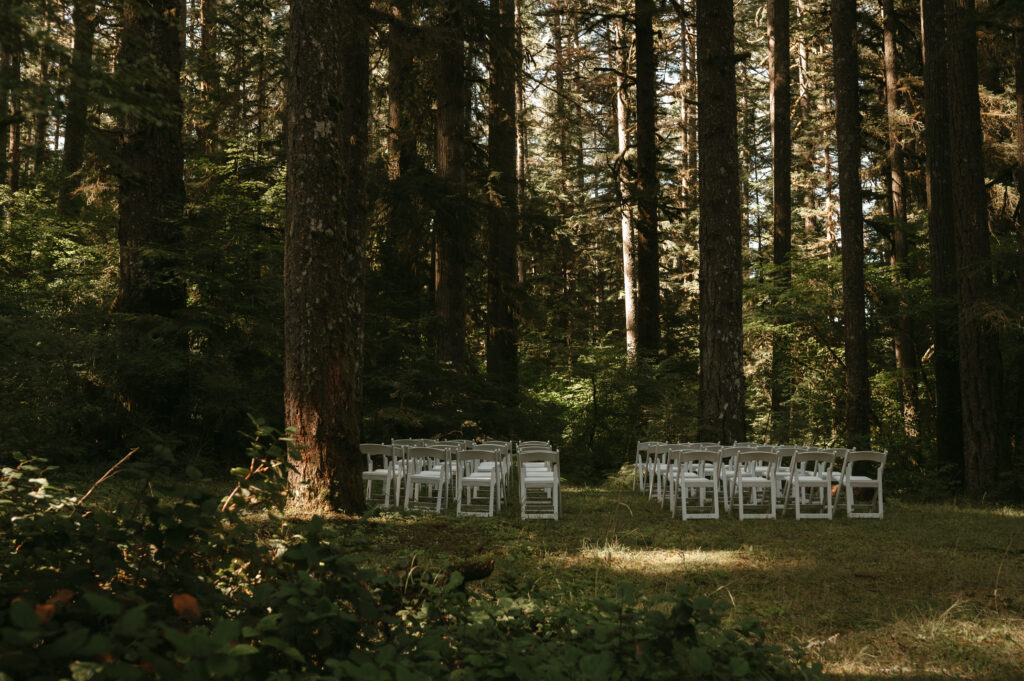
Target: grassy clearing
[(931, 591)]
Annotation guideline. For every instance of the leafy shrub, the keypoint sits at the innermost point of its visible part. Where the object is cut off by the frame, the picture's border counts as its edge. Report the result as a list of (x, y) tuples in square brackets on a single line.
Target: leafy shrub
[(179, 583)]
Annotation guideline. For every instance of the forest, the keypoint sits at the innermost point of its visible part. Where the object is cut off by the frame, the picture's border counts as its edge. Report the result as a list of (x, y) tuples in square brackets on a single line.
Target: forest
[(523, 248), (232, 229)]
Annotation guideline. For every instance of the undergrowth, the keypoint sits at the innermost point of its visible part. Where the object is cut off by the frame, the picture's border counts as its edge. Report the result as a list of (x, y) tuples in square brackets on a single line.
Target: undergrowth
[(178, 582)]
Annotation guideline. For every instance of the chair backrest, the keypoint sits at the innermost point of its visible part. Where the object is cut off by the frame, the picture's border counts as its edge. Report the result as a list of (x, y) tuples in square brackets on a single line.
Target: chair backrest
[(822, 460), (488, 447), (550, 456), (700, 460), (371, 450), (478, 455), (522, 444), (418, 458), (855, 456), (751, 458)]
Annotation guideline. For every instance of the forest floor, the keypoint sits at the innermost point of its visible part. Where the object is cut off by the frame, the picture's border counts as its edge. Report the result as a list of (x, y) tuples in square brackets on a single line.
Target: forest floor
[(930, 592)]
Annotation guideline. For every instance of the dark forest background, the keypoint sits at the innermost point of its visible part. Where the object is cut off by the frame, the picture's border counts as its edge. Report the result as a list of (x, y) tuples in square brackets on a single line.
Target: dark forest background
[(602, 103)]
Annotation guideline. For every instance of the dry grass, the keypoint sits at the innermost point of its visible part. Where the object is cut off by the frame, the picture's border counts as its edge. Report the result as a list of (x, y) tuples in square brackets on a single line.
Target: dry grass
[(930, 592)]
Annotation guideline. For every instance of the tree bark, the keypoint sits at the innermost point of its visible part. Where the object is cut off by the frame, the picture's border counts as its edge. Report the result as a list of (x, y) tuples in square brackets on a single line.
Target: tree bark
[(451, 230), (14, 136), (209, 77), (851, 220), (151, 291), (980, 359), (623, 187), (904, 346), (779, 104), (502, 237), (941, 235), (647, 300), (42, 117), (326, 114), (721, 264), (84, 18)]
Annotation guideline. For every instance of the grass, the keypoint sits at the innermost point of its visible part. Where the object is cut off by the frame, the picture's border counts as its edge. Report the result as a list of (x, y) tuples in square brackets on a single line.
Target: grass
[(930, 592)]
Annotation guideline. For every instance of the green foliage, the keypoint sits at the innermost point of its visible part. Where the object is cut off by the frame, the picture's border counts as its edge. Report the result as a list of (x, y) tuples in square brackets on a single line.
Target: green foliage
[(177, 584)]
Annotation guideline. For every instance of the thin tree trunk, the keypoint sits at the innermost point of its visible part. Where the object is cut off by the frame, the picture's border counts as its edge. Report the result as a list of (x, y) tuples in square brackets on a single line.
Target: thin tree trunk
[(14, 137), (452, 230), (325, 224), (941, 235), (1018, 67), (42, 117), (782, 203), (851, 220), (721, 264), (84, 18), (622, 185), (151, 291), (209, 77), (903, 337), (647, 299), (502, 350), (980, 359)]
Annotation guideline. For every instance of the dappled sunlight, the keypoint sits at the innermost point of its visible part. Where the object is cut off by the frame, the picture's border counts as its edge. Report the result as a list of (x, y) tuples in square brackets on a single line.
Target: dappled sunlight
[(654, 561)]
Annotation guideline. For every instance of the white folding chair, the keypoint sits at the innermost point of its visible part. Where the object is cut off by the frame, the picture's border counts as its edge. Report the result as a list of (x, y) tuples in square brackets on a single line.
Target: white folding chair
[(754, 472), (426, 467), (809, 483), (640, 464), (539, 487), (873, 462), (380, 467), (475, 471), (695, 474)]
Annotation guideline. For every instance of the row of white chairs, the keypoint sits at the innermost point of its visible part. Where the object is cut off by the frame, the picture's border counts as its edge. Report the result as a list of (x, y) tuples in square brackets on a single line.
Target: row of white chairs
[(761, 480), (426, 474)]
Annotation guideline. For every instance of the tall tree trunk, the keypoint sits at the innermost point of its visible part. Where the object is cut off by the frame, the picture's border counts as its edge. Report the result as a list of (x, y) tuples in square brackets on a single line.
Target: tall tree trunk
[(903, 337), (14, 137), (851, 220), (209, 77), (941, 235), (325, 225), (782, 203), (647, 299), (502, 237), (84, 18), (42, 117), (403, 263), (721, 263), (452, 230), (1018, 67), (622, 185), (151, 290), (980, 360), (5, 102)]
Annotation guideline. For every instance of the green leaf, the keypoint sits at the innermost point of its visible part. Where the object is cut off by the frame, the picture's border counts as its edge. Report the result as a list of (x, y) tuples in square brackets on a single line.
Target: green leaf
[(102, 604), (83, 671), (24, 615), (193, 473), (738, 667), (68, 644), (700, 662)]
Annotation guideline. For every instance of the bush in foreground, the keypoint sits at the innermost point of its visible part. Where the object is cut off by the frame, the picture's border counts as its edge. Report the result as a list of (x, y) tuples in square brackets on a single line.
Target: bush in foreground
[(178, 583)]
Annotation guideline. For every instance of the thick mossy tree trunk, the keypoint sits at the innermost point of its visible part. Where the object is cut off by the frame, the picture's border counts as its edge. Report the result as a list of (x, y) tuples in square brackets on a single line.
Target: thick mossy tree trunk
[(941, 238), (980, 360), (851, 220), (325, 222), (779, 104), (648, 295), (451, 226), (76, 120), (721, 263), (151, 290), (503, 227)]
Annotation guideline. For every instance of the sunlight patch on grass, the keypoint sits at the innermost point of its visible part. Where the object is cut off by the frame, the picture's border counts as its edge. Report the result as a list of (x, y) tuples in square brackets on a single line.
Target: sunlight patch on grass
[(654, 561)]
